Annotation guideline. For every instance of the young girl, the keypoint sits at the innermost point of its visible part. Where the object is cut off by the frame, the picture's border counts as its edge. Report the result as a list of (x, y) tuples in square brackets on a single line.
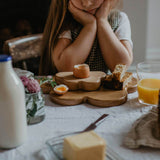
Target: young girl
[(85, 31)]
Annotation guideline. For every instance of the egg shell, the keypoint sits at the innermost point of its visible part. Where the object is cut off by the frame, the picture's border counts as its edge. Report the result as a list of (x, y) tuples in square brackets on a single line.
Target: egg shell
[(60, 89), (81, 71)]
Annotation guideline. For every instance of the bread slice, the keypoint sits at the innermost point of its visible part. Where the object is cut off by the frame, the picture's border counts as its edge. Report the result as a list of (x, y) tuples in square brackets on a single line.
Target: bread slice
[(108, 82), (111, 83), (119, 71), (46, 88), (127, 78), (119, 85)]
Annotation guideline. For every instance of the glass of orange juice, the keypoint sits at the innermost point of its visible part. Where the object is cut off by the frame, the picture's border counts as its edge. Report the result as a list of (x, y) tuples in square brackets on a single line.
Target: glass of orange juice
[(148, 74)]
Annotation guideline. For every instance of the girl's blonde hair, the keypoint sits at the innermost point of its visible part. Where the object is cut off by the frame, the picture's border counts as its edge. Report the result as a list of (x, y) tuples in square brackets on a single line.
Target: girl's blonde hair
[(59, 19), (52, 28)]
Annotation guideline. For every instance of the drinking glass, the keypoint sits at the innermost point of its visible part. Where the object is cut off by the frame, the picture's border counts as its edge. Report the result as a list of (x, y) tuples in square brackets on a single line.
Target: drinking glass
[(148, 74)]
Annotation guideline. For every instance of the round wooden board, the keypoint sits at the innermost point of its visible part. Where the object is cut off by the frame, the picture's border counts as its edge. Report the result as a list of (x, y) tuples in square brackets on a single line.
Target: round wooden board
[(91, 83), (100, 98)]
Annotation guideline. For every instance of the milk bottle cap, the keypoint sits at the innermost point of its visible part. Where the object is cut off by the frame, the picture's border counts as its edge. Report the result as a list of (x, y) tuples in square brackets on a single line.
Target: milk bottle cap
[(5, 58)]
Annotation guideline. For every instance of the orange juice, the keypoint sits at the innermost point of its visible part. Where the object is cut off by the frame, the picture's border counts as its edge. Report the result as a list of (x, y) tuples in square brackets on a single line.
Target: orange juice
[(148, 90)]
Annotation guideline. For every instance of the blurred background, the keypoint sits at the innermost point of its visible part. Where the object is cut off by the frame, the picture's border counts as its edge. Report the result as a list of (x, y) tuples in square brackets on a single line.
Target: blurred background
[(24, 17), (145, 24), (21, 17)]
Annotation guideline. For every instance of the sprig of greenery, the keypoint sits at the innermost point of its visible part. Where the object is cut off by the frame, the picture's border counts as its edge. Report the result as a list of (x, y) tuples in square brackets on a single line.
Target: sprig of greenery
[(53, 84), (49, 80), (45, 79)]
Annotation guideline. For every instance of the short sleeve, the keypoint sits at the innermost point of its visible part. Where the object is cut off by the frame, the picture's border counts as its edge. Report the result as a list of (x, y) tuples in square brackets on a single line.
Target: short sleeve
[(123, 32), (66, 34)]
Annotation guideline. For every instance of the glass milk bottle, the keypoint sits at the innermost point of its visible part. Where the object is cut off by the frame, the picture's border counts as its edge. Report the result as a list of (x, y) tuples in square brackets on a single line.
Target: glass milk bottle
[(13, 126)]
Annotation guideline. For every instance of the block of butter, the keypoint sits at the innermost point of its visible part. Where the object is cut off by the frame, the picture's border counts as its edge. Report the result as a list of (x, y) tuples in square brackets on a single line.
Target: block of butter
[(84, 146)]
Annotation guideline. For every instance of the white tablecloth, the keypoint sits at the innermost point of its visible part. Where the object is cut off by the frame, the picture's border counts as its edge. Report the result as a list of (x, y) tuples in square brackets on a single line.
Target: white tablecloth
[(62, 119)]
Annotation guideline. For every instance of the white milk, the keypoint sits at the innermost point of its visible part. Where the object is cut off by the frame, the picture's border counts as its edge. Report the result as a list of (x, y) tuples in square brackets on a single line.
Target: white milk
[(13, 126)]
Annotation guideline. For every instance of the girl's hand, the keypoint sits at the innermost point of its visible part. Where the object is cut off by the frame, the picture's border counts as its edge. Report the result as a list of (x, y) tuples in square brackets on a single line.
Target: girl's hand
[(105, 8), (82, 17)]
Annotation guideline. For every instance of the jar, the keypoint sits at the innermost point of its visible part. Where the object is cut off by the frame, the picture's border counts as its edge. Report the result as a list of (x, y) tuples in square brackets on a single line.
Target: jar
[(35, 107), (13, 125)]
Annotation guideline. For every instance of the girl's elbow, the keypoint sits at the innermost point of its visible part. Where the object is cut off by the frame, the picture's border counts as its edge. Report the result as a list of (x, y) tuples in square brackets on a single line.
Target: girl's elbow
[(130, 60), (65, 65), (68, 64)]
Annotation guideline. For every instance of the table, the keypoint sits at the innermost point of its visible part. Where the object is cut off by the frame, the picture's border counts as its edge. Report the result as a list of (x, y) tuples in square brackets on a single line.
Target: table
[(63, 119)]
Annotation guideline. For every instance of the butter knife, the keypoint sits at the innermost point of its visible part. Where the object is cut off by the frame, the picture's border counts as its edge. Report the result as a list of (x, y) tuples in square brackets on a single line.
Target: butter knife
[(93, 125)]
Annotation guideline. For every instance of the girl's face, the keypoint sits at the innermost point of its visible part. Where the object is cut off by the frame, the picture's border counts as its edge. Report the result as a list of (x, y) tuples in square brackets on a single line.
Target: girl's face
[(89, 6)]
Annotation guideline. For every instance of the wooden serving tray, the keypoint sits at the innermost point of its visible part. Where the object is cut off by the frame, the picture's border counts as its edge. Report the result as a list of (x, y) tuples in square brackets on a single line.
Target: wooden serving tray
[(101, 97), (91, 83)]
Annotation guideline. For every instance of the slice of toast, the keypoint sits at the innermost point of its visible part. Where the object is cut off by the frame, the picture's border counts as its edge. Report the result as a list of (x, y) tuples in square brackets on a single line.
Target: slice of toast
[(123, 83), (46, 88), (108, 82), (111, 83), (127, 78), (119, 71)]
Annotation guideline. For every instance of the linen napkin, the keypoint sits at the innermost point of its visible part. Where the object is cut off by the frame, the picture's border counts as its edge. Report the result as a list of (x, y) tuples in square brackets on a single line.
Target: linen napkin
[(145, 131)]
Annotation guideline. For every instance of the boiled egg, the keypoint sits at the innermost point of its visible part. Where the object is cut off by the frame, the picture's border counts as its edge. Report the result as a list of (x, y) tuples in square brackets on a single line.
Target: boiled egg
[(61, 89)]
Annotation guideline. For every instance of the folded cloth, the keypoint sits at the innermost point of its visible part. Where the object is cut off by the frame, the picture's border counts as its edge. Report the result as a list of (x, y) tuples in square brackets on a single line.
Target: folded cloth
[(145, 131)]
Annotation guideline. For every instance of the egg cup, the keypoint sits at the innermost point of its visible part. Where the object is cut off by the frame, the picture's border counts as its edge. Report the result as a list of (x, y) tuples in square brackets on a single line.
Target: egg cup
[(81, 71)]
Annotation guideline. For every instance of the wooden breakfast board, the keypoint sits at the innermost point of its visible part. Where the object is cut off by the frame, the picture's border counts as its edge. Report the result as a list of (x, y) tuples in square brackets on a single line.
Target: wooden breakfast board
[(101, 97), (91, 83)]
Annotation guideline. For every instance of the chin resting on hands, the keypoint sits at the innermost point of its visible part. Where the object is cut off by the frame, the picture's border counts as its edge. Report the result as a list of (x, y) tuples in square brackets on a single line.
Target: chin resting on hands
[(105, 8), (81, 16)]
